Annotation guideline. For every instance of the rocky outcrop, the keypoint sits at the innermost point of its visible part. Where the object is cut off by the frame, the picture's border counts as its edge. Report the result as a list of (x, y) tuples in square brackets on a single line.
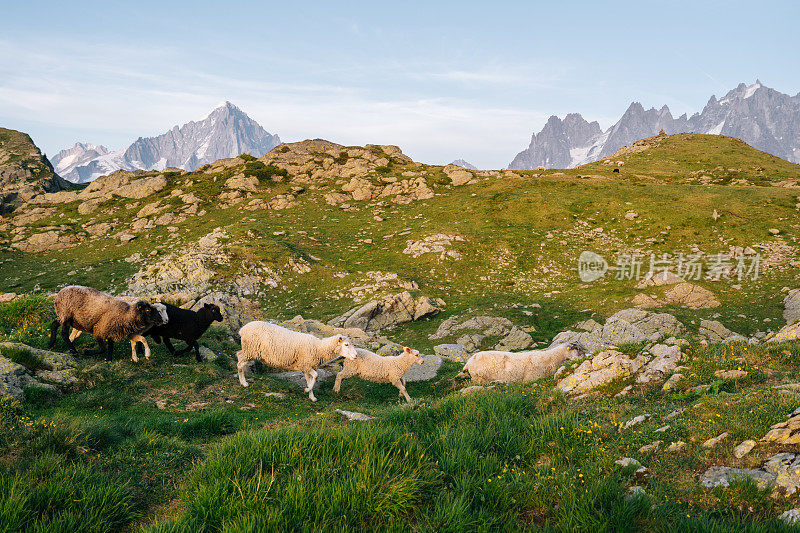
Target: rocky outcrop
[(54, 371), (626, 326), (434, 244), (714, 331), (781, 471), (24, 171), (389, 312), (791, 307), (787, 432), (602, 369)]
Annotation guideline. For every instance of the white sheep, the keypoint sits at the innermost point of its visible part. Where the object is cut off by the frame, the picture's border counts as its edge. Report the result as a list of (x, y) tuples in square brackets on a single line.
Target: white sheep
[(508, 367), (162, 310), (380, 369), (279, 347)]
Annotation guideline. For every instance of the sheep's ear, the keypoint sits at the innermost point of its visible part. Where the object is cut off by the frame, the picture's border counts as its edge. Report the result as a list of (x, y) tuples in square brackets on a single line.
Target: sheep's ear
[(406, 349), (340, 339)]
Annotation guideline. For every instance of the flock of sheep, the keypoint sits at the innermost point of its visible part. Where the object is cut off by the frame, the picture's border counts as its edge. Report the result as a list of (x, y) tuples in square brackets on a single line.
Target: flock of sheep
[(111, 320)]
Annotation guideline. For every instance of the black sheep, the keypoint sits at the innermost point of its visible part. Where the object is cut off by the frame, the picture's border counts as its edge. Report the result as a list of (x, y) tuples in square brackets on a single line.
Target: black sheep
[(185, 325)]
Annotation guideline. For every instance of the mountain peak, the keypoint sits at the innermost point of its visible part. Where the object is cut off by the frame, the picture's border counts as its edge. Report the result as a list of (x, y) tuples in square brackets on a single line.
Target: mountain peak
[(563, 144), (226, 132)]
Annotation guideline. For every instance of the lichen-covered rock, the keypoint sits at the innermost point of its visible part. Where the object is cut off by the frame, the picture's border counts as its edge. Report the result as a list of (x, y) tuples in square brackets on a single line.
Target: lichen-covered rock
[(662, 365), (58, 370), (691, 296), (626, 326), (781, 471), (714, 331), (516, 339), (142, 187), (434, 244), (451, 352), (388, 312), (787, 432), (786, 333), (601, 369)]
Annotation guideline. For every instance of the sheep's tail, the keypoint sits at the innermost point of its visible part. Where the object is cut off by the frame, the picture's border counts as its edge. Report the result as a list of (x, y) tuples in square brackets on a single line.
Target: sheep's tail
[(53, 332)]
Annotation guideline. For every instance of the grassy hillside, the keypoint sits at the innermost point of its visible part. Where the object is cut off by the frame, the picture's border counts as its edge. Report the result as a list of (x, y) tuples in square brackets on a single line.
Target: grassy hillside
[(172, 445)]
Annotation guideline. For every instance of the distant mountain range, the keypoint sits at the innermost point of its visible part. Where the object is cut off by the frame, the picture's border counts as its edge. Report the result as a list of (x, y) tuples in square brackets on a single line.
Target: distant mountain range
[(762, 117), (464, 164), (226, 132)]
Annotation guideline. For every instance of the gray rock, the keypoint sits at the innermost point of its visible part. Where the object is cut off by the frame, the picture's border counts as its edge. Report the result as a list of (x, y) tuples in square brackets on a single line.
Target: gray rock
[(714, 331), (14, 378), (354, 415), (626, 326), (515, 340), (389, 312), (207, 354), (451, 352), (791, 307), (791, 517), (426, 371), (471, 342), (782, 471), (474, 388)]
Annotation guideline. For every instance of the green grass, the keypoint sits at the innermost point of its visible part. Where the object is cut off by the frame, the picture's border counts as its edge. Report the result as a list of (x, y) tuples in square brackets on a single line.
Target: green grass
[(172, 445)]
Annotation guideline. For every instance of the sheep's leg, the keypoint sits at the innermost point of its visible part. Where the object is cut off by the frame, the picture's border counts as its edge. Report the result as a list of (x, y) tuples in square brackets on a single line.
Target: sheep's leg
[(53, 332), (169, 345), (64, 335), (74, 334), (110, 356), (311, 378), (133, 351), (101, 347), (197, 352), (402, 388), (341, 376), (240, 366), (185, 349), (136, 339)]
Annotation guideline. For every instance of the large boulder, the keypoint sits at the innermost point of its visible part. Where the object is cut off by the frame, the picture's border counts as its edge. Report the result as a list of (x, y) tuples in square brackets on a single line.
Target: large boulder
[(781, 471), (426, 371), (516, 339), (57, 370), (626, 326), (603, 368), (389, 312), (714, 331), (691, 296), (142, 187), (791, 307)]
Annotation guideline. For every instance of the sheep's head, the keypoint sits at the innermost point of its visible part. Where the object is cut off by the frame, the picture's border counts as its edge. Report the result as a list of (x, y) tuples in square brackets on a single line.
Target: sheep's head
[(162, 310), (575, 350), (213, 311), (344, 347), (148, 313), (410, 352)]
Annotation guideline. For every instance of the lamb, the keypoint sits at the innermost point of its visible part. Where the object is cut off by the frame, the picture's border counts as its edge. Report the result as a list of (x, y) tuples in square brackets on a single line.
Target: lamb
[(373, 367), (185, 325), (279, 347), (162, 310), (507, 367), (108, 318)]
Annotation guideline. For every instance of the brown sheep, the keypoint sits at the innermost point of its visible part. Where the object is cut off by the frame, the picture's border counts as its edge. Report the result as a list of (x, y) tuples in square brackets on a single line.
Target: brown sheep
[(108, 318)]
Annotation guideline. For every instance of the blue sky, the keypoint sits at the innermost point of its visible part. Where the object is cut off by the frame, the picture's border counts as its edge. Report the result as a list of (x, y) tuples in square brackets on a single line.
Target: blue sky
[(443, 80)]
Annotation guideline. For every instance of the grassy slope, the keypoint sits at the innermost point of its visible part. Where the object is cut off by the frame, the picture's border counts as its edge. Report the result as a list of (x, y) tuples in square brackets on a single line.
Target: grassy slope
[(106, 457)]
